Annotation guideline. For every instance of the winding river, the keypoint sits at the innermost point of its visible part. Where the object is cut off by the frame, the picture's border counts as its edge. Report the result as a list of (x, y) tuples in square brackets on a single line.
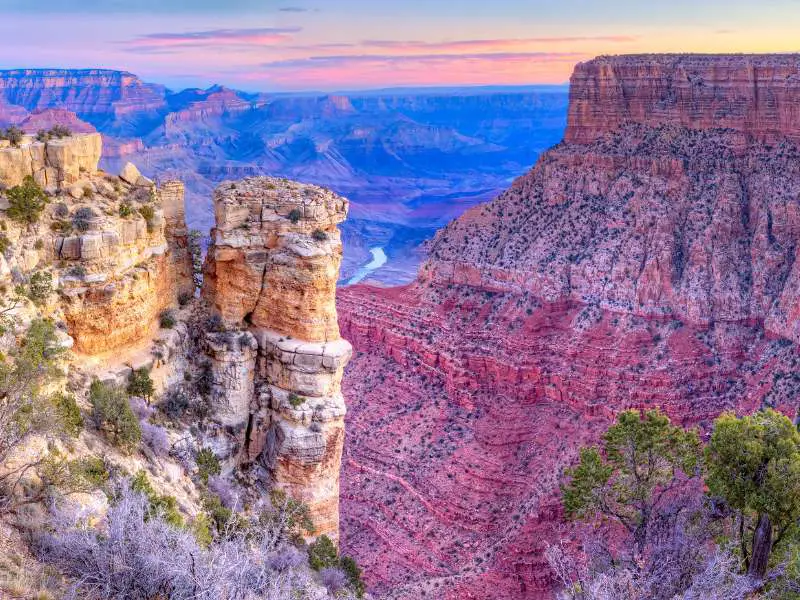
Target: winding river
[(379, 259)]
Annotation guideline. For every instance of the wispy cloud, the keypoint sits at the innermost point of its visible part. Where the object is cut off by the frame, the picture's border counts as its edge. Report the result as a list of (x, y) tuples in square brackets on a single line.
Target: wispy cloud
[(293, 9), (342, 60), (478, 45), (260, 36)]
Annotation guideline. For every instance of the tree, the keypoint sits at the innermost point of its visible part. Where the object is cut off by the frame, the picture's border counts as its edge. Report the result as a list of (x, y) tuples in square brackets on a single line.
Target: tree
[(26, 202), (753, 463), (141, 384), (207, 464), (112, 411), (322, 554), (643, 458), (24, 409)]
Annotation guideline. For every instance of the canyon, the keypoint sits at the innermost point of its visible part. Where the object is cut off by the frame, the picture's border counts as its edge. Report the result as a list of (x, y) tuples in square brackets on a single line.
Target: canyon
[(648, 260), (409, 160)]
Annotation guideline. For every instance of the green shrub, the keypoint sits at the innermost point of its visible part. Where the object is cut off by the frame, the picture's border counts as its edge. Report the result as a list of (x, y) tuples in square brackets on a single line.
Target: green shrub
[(81, 219), (68, 413), (60, 131), (322, 554), (125, 210), (184, 298), (61, 210), (40, 287), (166, 506), (5, 243), (112, 412), (38, 244), (319, 235), (93, 470), (353, 572), (42, 136), (167, 319), (149, 216), (295, 400), (26, 202), (141, 384), (14, 135), (295, 215), (207, 464)]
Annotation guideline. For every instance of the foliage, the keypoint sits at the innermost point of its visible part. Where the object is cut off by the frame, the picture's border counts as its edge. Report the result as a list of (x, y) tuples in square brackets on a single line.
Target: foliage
[(196, 252), (753, 463), (13, 134), (149, 216), (93, 470), (207, 464), (141, 384), (353, 572), (28, 368), (82, 217), (167, 319), (136, 554), (642, 460), (26, 202), (125, 210), (68, 413), (295, 215), (112, 412), (322, 554), (40, 287), (290, 517), (5, 244), (319, 235), (295, 400), (164, 507)]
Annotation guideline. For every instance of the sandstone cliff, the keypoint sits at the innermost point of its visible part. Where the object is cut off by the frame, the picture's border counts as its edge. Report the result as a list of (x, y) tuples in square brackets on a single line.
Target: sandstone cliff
[(649, 260), (272, 269), (752, 94), (115, 260)]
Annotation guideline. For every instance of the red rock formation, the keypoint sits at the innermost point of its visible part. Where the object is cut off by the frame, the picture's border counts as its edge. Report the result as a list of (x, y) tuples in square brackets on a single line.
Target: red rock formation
[(89, 92), (644, 265), (754, 94), (47, 118), (272, 269)]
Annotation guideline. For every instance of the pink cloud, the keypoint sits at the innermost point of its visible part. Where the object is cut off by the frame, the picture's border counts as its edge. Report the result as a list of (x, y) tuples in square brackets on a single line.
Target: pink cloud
[(265, 36), (371, 70)]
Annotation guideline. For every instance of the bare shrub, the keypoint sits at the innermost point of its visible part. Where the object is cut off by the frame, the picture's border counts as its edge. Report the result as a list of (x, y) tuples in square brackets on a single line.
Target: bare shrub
[(334, 580), (155, 437), (135, 556)]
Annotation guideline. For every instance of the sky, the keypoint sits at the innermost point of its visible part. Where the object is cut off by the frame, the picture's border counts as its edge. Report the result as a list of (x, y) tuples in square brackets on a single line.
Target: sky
[(293, 45)]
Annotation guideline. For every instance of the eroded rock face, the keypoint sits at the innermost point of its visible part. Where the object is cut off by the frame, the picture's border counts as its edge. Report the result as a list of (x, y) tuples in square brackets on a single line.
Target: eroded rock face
[(753, 94), (272, 269), (172, 195), (647, 261), (55, 164), (117, 252)]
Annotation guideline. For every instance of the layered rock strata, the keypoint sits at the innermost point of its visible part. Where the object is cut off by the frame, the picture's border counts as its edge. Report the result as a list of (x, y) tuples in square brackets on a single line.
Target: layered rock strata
[(272, 270), (116, 260), (647, 261), (54, 164)]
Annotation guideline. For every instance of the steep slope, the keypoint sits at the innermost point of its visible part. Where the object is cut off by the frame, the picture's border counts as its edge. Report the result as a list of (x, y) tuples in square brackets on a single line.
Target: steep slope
[(649, 260)]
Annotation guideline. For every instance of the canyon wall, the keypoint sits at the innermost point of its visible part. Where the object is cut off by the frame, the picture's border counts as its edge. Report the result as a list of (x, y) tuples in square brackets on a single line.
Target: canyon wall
[(753, 94), (115, 259), (55, 164), (647, 261), (272, 269)]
